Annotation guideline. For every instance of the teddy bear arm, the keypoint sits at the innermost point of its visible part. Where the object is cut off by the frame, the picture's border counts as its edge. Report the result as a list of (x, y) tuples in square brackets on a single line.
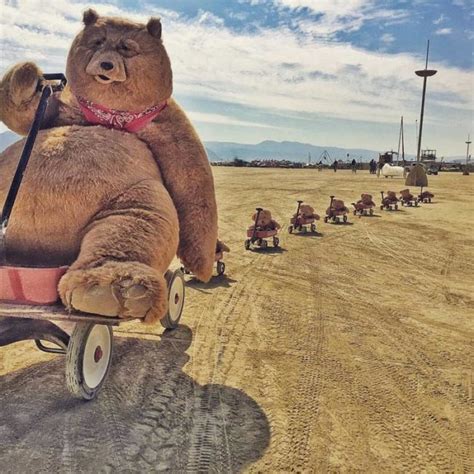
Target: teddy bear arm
[(188, 178), (275, 224), (19, 98)]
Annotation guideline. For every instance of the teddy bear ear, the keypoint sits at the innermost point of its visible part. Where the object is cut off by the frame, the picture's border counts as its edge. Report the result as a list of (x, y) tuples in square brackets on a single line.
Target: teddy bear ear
[(254, 216), (89, 17), (154, 27)]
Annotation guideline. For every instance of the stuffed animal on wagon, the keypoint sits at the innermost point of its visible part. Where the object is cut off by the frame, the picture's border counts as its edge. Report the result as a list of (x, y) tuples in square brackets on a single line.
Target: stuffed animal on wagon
[(264, 227), (304, 216), (365, 205), (337, 210), (390, 201), (118, 182), (425, 196), (407, 198)]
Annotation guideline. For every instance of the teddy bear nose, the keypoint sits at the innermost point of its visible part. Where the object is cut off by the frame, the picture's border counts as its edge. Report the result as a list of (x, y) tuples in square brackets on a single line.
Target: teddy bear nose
[(106, 65)]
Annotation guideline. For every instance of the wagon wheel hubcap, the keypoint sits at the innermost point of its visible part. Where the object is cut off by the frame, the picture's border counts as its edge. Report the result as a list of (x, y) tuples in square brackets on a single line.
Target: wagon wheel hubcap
[(96, 355)]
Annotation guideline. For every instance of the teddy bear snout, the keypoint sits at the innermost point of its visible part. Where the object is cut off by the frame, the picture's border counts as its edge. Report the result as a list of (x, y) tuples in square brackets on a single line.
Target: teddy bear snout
[(106, 67)]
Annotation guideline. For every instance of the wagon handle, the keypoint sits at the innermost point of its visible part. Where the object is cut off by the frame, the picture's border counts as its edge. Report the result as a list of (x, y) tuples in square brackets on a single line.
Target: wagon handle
[(259, 210), (298, 209), (52, 77), (46, 91)]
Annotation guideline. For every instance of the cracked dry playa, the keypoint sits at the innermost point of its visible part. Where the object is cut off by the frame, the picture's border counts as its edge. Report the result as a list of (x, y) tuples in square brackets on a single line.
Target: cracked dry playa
[(350, 351)]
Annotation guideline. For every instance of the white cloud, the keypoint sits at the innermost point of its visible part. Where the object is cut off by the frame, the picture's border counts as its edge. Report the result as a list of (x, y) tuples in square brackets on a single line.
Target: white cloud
[(224, 120), (387, 38), (212, 62), (333, 16), (440, 19), (443, 31)]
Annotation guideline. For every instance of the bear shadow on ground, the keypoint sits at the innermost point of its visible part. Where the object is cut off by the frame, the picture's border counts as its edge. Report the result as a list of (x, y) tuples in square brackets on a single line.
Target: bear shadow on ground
[(149, 416)]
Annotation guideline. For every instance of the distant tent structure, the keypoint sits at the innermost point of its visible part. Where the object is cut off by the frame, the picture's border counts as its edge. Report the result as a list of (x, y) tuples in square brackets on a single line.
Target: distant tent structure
[(325, 156)]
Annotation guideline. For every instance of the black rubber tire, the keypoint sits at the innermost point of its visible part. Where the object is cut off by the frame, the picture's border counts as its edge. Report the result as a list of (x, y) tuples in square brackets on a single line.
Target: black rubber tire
[(313, 228), (344, 218), (75, 380), (176, 299), (276, 241), (220, 268), (290, 229), (247, 244)]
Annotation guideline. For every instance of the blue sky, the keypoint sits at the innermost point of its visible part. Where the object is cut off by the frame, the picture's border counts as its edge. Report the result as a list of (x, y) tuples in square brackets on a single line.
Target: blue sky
[(327, 72)]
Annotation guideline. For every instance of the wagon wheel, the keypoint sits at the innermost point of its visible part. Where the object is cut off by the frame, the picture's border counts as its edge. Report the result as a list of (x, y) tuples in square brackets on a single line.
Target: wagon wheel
[(276, 241), (290, 229), (344, 218), (381, 207), (220, 268), (337, 220), (313, 228), (429, 199), (326, 219), (176, 294), (371, 212), (396, 207), (88, 359), (263, 243), (247, 244)]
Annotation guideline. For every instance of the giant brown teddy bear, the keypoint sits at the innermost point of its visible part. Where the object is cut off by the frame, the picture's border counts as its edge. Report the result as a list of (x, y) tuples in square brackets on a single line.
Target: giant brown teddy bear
[(116, 202)]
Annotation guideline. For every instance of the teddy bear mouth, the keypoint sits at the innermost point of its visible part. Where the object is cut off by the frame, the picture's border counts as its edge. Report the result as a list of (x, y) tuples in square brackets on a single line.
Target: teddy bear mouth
[(103, 79)]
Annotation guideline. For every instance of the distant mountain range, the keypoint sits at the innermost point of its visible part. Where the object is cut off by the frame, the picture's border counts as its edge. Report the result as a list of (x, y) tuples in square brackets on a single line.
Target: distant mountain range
[(268, 149), (293, 151)]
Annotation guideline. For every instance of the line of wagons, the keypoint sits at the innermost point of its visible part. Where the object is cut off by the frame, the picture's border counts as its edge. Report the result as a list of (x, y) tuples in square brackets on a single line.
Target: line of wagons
[(260, 234)]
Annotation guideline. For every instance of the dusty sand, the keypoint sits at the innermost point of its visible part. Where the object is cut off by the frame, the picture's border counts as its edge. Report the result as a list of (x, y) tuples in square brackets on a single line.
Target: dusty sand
[(347, 351)]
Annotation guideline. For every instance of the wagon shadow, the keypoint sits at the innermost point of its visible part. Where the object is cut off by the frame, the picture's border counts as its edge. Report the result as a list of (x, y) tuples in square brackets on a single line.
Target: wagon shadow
[(150, 416), (308, 234), (369, 216), (217, 281), (268, 250)]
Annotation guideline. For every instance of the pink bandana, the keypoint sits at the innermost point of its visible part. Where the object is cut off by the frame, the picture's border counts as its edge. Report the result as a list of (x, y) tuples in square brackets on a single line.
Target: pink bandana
[(119, 119)]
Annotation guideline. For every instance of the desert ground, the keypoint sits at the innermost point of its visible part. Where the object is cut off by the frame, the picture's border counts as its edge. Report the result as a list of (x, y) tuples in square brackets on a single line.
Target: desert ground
[(346, 351)]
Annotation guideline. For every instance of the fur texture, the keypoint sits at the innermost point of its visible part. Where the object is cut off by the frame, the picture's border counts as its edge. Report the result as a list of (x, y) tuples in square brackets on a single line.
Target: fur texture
[(115, 206)]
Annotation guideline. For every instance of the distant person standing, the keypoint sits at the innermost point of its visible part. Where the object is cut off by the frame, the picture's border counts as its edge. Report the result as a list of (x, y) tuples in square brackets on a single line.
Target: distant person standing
[(373, 166), (354, 165), (334, 166)]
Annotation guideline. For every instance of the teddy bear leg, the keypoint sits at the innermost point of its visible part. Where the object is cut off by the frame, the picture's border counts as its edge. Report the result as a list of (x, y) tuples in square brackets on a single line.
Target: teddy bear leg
[(124, 254)]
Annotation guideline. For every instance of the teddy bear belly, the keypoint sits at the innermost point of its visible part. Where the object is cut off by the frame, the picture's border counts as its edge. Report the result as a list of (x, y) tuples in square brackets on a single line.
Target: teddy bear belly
[(72, 173)]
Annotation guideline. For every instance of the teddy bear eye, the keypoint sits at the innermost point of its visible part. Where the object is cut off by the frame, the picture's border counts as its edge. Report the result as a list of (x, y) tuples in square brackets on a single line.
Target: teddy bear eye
[(99, 42)]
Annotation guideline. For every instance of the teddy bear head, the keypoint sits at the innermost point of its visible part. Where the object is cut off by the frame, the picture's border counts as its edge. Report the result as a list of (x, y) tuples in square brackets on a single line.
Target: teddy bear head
[(366, 198), (119, 64), (391, 194), (306, 210), (264, 218), (405, 193)]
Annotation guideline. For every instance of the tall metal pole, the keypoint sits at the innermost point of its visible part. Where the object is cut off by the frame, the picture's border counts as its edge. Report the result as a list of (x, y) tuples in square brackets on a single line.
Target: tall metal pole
[(403, 143), (424, 73), (467, 151)]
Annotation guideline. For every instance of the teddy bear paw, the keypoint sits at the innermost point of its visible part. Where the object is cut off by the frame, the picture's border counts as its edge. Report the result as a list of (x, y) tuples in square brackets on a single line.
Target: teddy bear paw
[(108, 291)]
